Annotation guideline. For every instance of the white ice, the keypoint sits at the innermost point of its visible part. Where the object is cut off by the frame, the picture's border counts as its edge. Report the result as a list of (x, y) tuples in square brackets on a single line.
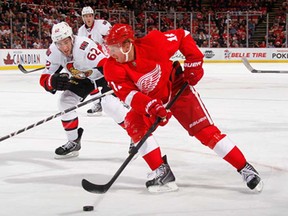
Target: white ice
[(251, 108)]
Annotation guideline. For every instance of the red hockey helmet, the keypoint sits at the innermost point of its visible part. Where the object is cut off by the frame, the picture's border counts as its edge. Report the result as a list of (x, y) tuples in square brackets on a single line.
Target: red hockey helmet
[(118, 34)]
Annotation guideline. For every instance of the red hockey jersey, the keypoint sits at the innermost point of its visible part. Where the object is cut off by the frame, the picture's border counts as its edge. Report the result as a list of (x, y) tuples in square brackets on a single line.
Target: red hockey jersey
[(148, 76)]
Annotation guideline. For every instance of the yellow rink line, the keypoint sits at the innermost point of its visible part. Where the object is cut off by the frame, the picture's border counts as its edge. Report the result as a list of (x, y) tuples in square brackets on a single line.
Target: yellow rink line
[(14, 67)]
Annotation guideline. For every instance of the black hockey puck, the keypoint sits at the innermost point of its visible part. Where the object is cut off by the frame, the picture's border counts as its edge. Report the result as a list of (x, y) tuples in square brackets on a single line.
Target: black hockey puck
[(88, 208)]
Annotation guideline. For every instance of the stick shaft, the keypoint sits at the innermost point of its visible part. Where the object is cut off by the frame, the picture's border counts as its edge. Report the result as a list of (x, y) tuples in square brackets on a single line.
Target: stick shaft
[(93, 188), (53, 116)]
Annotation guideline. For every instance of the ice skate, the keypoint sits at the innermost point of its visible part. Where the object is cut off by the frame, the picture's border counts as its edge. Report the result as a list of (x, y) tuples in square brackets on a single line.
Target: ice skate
[(163, 181), (251, 177), (71, 148), (95, 110)]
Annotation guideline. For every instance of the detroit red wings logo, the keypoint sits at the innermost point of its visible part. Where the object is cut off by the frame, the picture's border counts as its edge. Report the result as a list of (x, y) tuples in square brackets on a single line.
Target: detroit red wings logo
[(149, 81)]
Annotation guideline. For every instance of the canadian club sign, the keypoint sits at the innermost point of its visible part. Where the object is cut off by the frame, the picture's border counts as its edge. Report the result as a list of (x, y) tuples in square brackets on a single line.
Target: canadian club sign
[(21, 58), (13, 57)]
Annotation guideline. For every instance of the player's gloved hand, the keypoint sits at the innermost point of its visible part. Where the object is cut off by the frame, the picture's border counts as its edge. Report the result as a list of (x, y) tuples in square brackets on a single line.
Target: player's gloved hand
[(193, 71), (176, 71), (156, 109), (60, 81)]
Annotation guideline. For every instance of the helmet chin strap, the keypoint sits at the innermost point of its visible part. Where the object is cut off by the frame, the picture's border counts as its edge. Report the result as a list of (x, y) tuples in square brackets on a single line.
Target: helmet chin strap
[(126, 54)]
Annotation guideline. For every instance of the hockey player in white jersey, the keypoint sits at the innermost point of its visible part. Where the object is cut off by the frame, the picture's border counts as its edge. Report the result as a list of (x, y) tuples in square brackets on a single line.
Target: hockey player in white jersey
[(80, 57), (94, 29)]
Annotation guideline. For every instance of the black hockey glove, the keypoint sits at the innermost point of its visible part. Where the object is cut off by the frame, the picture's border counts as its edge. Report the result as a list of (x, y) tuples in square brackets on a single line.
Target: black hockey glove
[(60, 81)]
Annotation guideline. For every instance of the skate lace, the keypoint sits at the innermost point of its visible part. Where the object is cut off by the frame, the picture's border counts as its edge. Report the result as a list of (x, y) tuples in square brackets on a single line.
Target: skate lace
[(160, 171), (69, 145), (248, 173), (97, 107)]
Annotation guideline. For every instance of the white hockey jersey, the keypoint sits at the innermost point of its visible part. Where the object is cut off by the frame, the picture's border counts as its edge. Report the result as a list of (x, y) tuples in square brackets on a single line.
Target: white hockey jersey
[(99, 29), (86, 56), (97, 32)]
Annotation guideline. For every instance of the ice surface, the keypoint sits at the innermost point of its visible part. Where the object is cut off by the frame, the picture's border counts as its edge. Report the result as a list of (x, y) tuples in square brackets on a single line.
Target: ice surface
[(251, 108)]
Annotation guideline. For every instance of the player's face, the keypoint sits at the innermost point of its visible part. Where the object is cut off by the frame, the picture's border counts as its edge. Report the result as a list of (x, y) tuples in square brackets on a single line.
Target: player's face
[(65, 46), (88, 19), (119, 52), (115, 52)]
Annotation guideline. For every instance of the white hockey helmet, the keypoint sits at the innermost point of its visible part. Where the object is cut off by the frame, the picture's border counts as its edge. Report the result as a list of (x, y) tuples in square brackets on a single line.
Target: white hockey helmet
[(87, 10), (61, 31)]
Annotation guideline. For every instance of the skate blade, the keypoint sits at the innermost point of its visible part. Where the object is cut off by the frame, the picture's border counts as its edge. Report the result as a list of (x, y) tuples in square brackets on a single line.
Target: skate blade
[(96, 114), (171, 186), (69, 155), (259, 187)]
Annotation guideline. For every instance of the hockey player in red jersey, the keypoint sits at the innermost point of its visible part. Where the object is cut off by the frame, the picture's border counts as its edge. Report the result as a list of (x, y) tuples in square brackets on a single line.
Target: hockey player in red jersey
[(141, 74)]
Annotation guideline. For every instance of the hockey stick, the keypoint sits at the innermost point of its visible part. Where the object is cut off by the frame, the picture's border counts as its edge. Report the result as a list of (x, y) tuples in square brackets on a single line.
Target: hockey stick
[(23, 70), (251, 69), (94, 188), (54, 116)]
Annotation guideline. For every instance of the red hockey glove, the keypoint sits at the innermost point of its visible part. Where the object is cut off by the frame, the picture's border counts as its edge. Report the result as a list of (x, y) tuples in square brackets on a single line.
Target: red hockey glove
[(193, 71), (176, 71), (155, 109)]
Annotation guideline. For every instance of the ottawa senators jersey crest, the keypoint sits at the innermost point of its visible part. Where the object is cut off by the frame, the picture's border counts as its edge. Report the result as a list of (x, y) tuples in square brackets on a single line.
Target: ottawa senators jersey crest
[(77, 73)]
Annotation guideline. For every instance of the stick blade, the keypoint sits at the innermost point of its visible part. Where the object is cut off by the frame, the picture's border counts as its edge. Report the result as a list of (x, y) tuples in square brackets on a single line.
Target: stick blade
[(248, 66), (253, 70), (93, 188), (21, 68)]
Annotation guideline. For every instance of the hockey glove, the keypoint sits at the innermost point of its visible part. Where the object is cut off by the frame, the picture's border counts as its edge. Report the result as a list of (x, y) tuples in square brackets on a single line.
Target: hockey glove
[(156, 109), (176, 71), (193, 71), (60, 81)]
